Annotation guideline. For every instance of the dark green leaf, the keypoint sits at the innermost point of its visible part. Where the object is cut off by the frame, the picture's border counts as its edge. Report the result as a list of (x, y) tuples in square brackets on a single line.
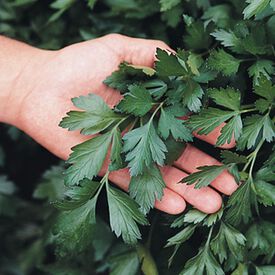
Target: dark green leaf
[(223, 62), (124, 215), (137, 101), (147, 188), (143, 146), (205, 175)]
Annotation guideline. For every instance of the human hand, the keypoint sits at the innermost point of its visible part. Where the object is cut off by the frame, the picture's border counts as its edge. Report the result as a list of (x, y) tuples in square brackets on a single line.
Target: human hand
[(58, 76)]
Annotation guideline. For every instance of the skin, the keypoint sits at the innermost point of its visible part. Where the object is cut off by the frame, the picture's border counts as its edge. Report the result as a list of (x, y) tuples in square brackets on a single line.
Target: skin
[(36, 87)]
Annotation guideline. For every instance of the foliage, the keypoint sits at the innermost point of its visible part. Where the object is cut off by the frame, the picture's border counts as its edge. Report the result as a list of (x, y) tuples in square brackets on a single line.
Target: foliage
[(223, 77)]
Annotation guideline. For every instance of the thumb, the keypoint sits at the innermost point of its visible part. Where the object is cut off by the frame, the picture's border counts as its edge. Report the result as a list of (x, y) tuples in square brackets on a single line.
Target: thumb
[(136, 51)]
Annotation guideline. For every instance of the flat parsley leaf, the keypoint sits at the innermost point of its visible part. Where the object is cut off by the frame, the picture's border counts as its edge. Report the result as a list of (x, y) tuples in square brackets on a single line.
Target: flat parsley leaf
[(223, 62), (228, 240), (169, 123), (143, 146), (87, 158), (254, 7), (204, 261), (137, 101), (205, 175), (97, 115), (124, 215), (147, 188)]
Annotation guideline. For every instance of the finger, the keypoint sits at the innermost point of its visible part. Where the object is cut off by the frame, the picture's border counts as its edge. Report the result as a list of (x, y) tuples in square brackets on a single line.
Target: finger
[(171, 202), (205, 199), (192, 158), (136, 51), (213, 136)]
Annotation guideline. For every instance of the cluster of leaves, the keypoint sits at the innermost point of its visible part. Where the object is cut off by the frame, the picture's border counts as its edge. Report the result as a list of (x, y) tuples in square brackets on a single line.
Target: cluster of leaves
[(225, 74)]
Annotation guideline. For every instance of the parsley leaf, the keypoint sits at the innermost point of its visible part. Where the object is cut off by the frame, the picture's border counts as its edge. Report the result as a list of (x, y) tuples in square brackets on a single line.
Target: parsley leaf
[(116, 159), (228, 240), (97, 115), (223, 62), (143, 146), (124, 215), (204, 176), (228, 39), (74, 228), (87, 158), (204, 261), (169, 64), (256, 127), (155, 87), (166, 5), (265, 89), (209, 119), (147, 188), (261, 68), (254, 7), (169, 123), (239, 204), (137, 101), (228, 97)]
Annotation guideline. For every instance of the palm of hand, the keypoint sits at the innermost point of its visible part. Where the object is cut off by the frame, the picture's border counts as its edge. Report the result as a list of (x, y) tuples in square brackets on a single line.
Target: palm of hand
[(80, 69)]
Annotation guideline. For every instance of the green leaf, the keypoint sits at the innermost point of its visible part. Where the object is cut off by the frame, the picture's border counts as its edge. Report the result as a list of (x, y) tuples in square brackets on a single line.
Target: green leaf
[(124, 215), (265, 192), (51, 186), (169, 123), (166, 5), (232, 130), (87, 158), (175, 149), (6, 187), (223, 62), (194, 216), (254, 7), (228, 39), (73, 230), (261, 68), (155, 87), (91, 3), (262, 105), (97, 116), (143, 146), (182, 236), (240, 203), (197, 37), (232, 157), (204, 176), (137, 101), (192, 94), (116, 160), (169, 65), (124, 261), (265, 89), (124, 76), (77, 196), (203, 263), (219, 14), (265, 270), (209, 119), (228, 240), (260, 239), (240, 270), (212, 219), (147, 188), (256, 127), (228, 97)]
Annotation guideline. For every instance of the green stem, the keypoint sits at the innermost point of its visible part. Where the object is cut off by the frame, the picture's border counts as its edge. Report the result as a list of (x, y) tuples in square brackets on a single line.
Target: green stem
[(156, 110), (255, 153), (209, 236)]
